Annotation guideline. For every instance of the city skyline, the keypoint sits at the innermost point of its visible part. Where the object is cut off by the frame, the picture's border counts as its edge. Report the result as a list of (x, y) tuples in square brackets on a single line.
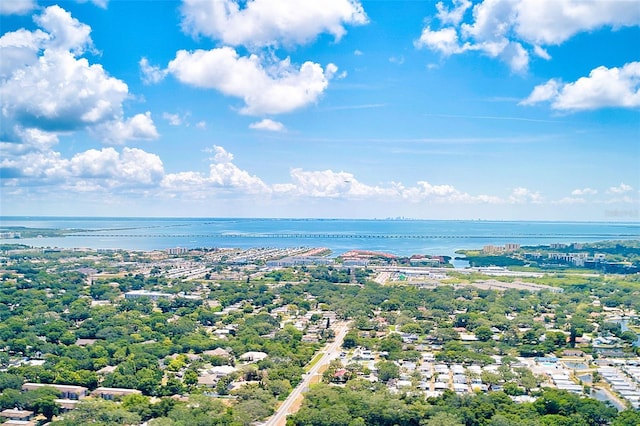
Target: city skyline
[(494, 109)]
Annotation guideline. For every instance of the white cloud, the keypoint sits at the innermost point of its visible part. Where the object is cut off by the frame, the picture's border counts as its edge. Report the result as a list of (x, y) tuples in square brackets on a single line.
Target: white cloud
[(604, 87), (173, 119), (190, 184), (327, 184), (331, 184), (201, 124), (138, 127), (425, 191), (36, 138), (571, 200), (620, 189), (584, 191), (100, 3), (428, 190), (509, 29), (61, 92), (223, 175), (270, 22), (552, 22), (48, 166), (543, 92), (221, 155), (541, 53), (17, 7), (267, 124), (358, 52), (151, 74), (66, 32), (134, 171), (523, 195), (454, 15), (274, 89), (132, 166), (19, 49), (47, 89), (106, 168), (228, 175), (444, 41), (516, 56)]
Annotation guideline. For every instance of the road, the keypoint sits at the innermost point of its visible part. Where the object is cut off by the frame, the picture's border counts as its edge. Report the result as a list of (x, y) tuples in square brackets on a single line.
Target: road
[(330, 351)]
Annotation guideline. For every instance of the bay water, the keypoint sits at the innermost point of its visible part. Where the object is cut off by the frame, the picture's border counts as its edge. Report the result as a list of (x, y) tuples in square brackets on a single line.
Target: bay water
[(399, 237)]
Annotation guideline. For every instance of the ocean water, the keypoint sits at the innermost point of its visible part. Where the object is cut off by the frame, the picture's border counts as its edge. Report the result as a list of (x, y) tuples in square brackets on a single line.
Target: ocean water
[(400, 237)]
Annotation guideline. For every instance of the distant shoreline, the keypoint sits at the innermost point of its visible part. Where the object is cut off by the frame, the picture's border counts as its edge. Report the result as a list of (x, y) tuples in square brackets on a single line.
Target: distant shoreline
[(401, 237), (328, 219)]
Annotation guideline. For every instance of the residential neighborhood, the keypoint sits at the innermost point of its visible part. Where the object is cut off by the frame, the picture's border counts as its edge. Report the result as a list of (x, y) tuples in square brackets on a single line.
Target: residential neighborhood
[(232, 324)]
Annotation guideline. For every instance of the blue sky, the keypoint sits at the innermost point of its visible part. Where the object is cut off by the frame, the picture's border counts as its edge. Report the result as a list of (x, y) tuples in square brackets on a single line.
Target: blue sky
[(494, 109)]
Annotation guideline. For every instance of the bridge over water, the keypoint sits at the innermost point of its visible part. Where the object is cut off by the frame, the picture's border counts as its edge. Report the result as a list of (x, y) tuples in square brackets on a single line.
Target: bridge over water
[(312, 236)]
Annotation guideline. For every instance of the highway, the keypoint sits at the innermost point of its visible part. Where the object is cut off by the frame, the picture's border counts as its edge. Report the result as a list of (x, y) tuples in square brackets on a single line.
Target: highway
[(330, 351)]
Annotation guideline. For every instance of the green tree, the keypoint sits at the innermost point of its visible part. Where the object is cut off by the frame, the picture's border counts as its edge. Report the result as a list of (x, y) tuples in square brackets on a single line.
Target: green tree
[(387, 370), (103, 413), (351, 340), (190, 377), (139, 404), (443, 419), (484, 333), (627, 418)]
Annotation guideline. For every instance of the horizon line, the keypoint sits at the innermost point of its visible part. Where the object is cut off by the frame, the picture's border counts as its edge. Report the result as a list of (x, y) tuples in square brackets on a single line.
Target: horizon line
[(398, 218)]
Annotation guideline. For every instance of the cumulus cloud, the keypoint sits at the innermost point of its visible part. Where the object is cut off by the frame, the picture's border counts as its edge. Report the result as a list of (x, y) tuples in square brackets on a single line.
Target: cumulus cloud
[(523, 195), (128, 167), (132, 170), (35, 138), (223, 174), (173, 119), (47, 166), (151, 74), (17, 7), (106, 168), (604, 87), (584, 191), (551, 22), (455, 14), (19, 49), (331, 184), (426, 191), (510, 29), (228, 175), (270, 22), (266, 84), (444, 40), (220, 155), (543, 92), (274, 89), (267, 124), (100, 3), (62, 93), (62, 32), (620, 189), (327, 184), (65, 31), (138, 127), (49, 89), (571, 200)]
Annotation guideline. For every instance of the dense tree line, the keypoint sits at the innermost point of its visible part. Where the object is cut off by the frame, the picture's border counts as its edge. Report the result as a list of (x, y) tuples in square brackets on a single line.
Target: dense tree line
[(363, 403)]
